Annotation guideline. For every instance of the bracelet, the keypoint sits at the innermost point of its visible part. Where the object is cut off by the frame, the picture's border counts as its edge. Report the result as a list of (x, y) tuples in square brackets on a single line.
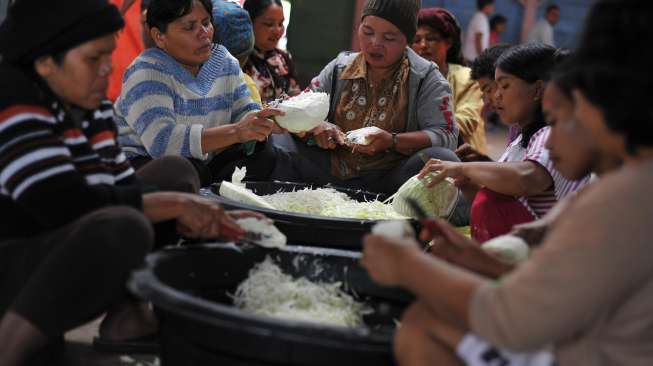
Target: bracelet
[(393, 147)]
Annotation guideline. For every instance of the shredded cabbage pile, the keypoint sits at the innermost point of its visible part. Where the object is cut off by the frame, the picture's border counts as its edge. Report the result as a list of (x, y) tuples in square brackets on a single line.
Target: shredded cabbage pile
[(332, 203), (270, 292)]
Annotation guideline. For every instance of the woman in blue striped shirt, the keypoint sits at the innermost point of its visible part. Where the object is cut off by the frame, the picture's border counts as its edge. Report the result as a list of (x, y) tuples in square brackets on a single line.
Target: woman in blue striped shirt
[(187, 97)]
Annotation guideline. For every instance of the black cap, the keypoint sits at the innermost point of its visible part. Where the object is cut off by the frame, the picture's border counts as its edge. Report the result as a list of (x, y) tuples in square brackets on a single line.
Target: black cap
[(401, 13), (35, 28)]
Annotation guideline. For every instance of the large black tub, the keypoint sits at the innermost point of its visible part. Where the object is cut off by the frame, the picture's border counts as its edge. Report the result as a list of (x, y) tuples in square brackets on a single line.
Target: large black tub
[(331, 232), (190, 289)]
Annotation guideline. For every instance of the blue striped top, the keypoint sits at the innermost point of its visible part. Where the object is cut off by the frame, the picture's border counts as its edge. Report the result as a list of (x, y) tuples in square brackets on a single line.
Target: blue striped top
[(163, 108)]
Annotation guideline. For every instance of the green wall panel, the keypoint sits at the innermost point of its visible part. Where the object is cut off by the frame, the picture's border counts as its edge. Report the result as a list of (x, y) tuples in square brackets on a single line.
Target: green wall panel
[(318, 31)]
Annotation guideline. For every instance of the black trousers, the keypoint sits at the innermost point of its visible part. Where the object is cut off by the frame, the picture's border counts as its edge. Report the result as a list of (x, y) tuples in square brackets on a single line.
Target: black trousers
[(298, 162), (63, 278), (259, 165)]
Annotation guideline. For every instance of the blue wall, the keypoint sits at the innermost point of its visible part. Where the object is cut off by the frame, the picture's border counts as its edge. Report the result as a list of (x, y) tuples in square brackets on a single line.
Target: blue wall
[(573, 13)]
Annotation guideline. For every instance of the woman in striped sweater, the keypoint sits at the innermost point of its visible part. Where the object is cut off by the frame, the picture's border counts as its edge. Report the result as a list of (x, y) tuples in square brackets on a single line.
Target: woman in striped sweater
[(76, 219), (187, 97), (523, 185)]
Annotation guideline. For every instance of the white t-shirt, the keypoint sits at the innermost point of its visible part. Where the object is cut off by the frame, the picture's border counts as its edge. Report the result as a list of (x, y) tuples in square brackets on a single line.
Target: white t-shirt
[(478, 24), (542, 32)]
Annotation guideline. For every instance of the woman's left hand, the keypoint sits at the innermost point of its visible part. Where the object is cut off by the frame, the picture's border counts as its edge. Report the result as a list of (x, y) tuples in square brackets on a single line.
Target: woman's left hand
[(380, 141), (383, 258), (441, 170)]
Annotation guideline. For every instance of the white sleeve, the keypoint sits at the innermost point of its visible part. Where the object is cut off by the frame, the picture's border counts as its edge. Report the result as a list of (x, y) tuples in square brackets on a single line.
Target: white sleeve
[(547, 36), (476, 25)]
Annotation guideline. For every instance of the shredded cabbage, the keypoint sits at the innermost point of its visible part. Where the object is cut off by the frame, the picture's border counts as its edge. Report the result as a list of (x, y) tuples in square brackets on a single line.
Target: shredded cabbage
[(332, 203), (319, 201), (270, 292)]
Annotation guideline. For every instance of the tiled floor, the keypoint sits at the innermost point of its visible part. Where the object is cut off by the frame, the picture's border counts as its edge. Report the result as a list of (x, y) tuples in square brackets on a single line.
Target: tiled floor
[(80, 351)]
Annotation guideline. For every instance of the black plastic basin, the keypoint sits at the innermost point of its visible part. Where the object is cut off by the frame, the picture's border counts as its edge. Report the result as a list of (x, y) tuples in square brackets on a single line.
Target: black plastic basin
[(331, 232), (190, 289)]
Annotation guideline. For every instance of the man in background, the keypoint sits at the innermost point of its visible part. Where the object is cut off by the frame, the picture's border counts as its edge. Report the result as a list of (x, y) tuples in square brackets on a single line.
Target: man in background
[(542, 32), (477, 37)]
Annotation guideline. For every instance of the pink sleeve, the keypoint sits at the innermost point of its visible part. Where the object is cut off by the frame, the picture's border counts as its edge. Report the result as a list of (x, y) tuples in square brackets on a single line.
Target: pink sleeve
[(537, 152)]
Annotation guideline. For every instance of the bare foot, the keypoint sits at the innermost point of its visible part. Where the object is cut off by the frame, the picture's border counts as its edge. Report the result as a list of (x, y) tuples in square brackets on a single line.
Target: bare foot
[(127, 321)]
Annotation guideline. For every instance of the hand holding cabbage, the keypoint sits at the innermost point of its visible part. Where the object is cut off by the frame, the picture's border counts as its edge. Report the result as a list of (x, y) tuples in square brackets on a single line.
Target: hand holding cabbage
[(258, 126), (438, 170), (328, 136), (377, 141), (462, 251)]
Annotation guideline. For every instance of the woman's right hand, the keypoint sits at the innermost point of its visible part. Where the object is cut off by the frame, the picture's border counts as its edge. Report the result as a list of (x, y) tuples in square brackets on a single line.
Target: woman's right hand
[(258, 126), (328, 136), (201, 218), (454, 247), (438, 170), (196, 217)]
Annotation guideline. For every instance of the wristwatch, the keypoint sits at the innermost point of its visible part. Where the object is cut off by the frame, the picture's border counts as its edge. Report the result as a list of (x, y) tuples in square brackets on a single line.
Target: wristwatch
[(393, 147)]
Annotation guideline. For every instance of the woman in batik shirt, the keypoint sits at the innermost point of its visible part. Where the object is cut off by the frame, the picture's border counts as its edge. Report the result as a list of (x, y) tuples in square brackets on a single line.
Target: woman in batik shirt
[(388, 86)]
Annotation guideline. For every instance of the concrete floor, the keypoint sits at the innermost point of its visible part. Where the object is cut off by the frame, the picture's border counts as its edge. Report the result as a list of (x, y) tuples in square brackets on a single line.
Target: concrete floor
[(79, 341), (79, 350), (497, 140)]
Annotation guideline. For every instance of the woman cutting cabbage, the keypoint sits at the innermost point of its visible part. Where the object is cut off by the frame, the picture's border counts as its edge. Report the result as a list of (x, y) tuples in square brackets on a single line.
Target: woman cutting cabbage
[(524, 184), (386, 86), (187, 97), (584, 297)]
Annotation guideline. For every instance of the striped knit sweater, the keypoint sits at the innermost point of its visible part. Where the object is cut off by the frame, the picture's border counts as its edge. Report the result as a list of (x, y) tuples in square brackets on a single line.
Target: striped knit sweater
[(163, 108), (54, 170)]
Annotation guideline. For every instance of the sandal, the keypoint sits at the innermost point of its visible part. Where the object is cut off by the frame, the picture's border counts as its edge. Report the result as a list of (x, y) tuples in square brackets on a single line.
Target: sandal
[(138, 345)]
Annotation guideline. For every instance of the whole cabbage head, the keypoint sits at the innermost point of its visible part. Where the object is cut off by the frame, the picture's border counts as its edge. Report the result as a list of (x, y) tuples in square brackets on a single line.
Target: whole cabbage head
[(438, 201), (304, 112)]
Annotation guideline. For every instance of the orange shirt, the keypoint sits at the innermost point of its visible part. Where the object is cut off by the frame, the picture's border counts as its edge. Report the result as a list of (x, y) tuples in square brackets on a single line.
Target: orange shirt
[(129, 45)]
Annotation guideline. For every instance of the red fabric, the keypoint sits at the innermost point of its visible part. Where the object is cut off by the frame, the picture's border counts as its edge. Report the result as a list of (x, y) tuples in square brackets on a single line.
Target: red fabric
[(494, 38), (129, 45), (495, 214)]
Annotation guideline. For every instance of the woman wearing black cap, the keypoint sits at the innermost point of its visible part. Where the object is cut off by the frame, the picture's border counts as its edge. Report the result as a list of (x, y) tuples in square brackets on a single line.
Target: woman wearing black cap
[(75, 220), (387, 85)]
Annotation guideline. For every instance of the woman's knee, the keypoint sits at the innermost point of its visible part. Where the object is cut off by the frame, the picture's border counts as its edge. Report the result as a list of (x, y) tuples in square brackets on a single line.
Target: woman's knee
[(438, 153), (119, 230), (410, 334), (422, 336), (171, 173)]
